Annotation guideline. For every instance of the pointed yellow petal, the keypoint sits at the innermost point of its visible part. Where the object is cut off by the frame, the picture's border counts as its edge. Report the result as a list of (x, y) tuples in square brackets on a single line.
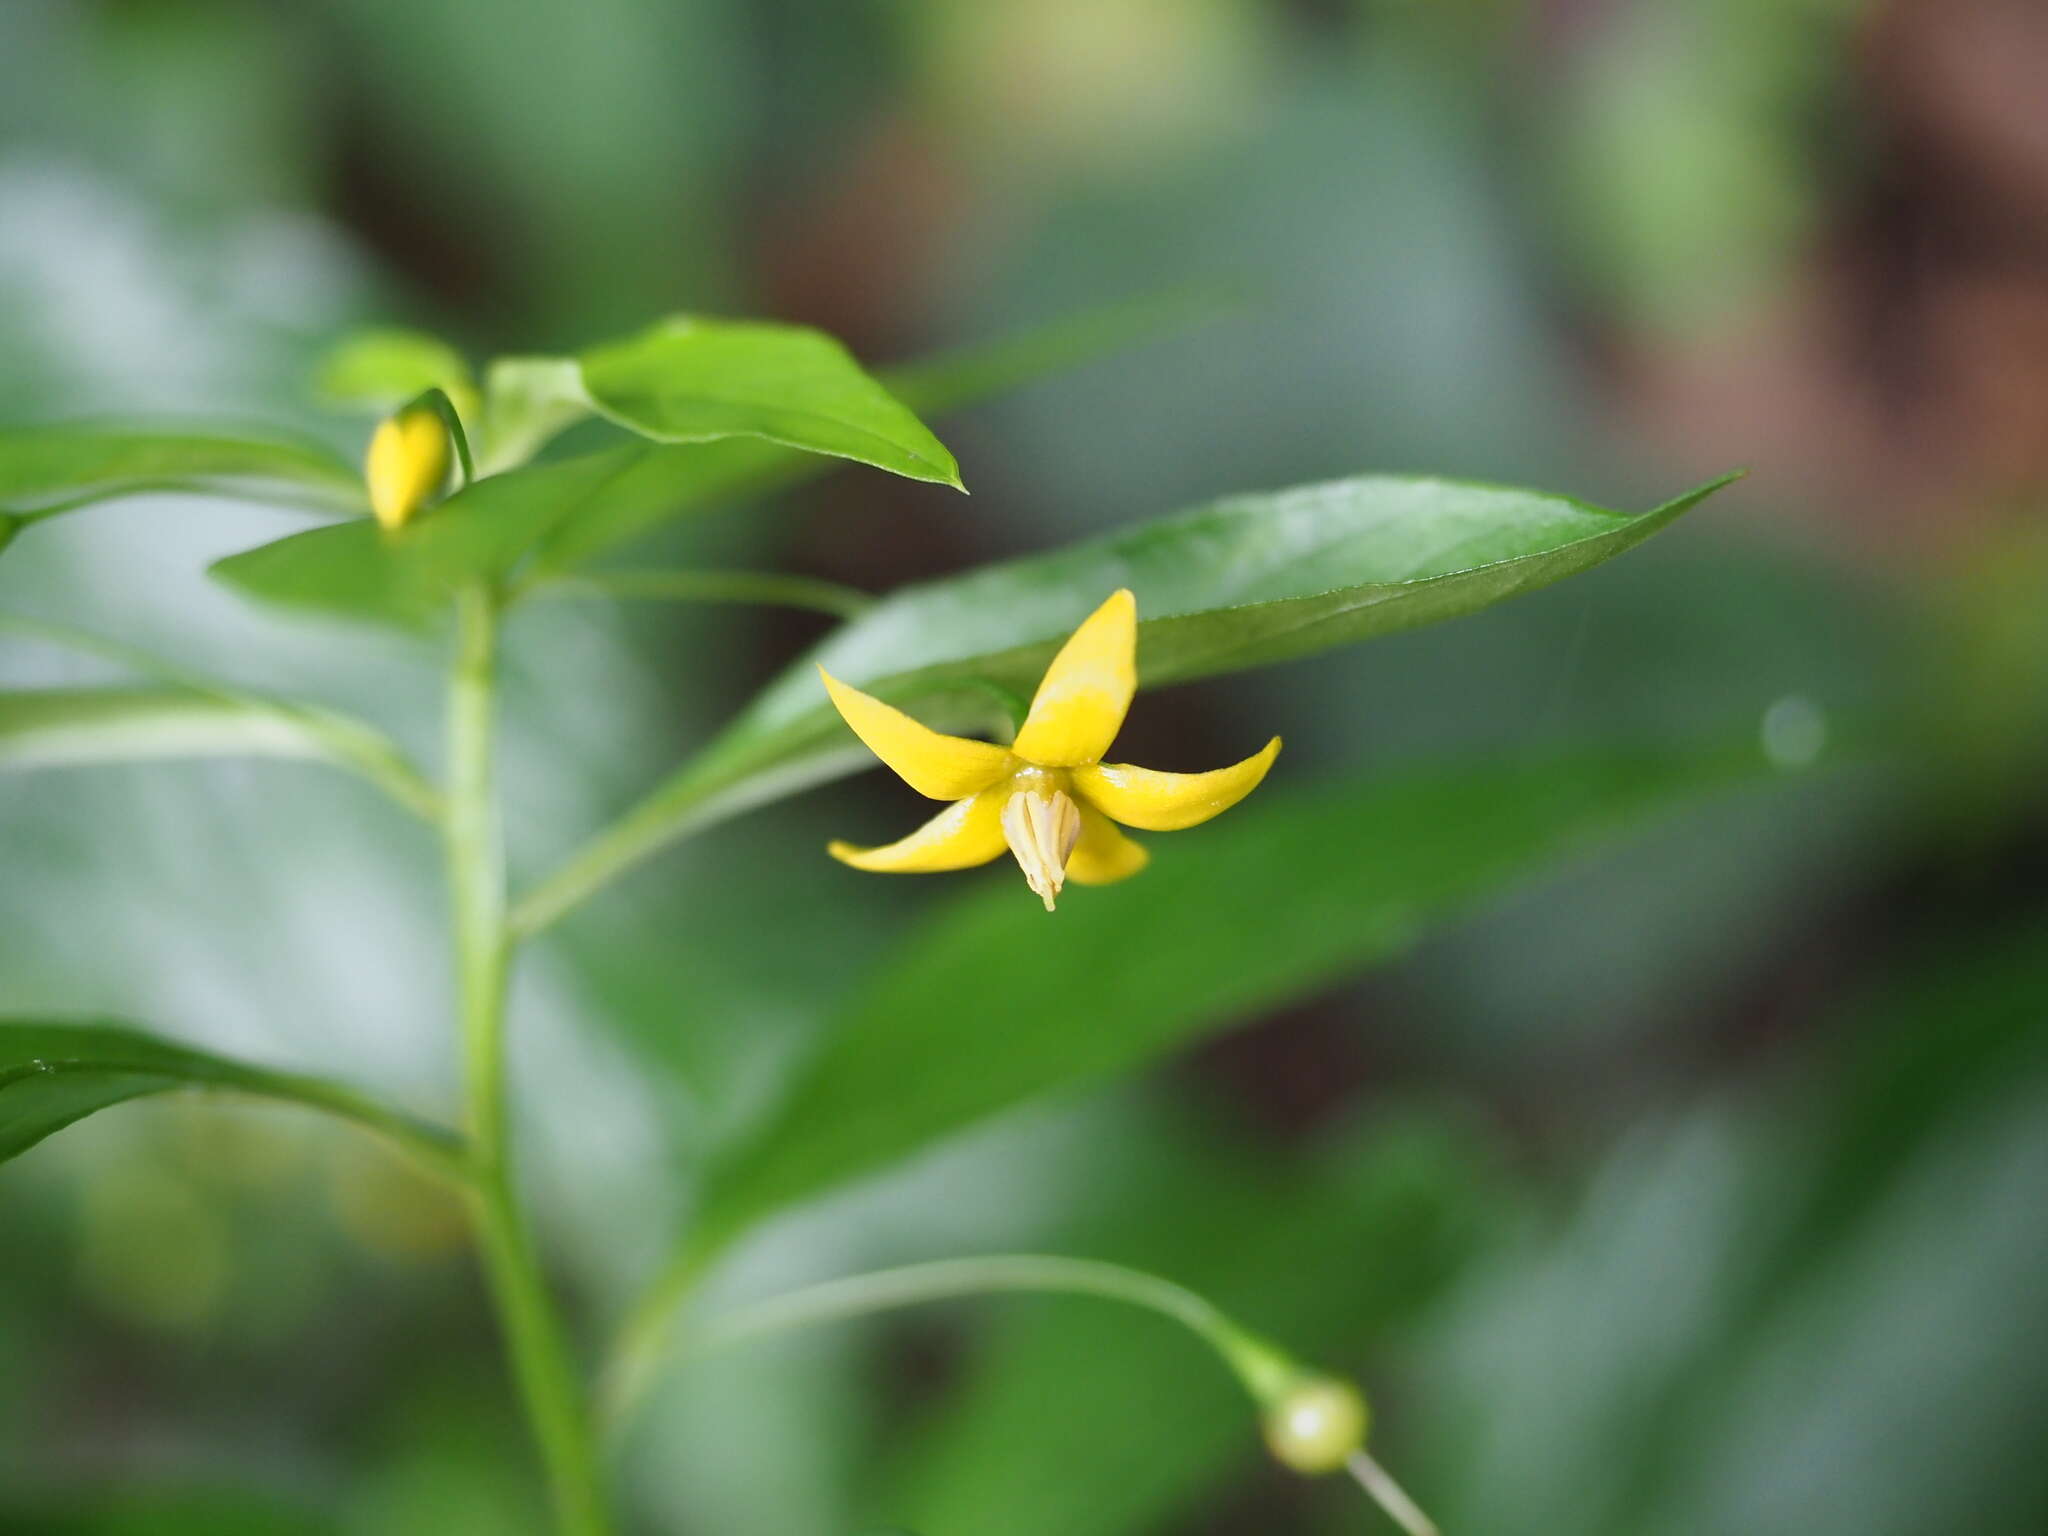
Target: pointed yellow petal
[(937, 766), (966, 833), (1080, 705), (1104, 855), (1166, 802)]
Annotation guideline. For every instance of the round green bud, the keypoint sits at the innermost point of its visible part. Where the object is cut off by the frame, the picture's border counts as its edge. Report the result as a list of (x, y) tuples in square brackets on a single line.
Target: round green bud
[(1316, 1425)]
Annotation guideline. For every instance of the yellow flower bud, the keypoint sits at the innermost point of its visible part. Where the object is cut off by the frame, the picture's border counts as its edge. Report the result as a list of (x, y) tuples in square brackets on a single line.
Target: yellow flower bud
[(407, 464), (1316, 1425)]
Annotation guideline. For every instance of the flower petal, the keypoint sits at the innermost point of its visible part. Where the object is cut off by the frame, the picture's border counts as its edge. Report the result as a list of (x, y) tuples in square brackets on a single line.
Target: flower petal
[(1104, 855), (966, 833), (1166, 802), (1081, 702), (937, 766)]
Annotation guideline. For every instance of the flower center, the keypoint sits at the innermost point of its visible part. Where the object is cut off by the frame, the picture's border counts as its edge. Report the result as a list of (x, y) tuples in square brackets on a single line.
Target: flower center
[(1041, 823)]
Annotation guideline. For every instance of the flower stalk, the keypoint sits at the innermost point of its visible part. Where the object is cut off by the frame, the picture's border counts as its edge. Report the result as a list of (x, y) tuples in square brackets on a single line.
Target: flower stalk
[(1314, 1423)]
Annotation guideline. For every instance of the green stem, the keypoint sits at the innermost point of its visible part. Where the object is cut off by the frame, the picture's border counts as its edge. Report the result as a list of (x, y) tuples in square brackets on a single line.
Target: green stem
[(769, 587), (1263, 1369), (534, 1336), (885, 1290)]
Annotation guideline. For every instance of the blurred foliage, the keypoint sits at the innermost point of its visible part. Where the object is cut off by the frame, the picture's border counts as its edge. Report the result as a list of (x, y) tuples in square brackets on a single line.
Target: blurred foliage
[(1691, 1186)]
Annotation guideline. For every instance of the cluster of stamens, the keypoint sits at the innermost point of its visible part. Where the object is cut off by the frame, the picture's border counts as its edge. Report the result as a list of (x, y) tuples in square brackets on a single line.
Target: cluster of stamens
[(1041, 824)]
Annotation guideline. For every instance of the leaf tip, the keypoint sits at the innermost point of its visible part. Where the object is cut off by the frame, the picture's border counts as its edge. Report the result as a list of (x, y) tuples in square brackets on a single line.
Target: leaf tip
[(948, 474)]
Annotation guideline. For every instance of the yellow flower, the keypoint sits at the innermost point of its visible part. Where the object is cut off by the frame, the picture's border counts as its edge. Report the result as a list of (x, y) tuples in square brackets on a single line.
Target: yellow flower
[(407, 464), (1048, 796)]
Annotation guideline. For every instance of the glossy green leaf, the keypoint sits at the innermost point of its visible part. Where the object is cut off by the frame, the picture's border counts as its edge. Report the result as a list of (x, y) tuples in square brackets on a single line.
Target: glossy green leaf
[(382, 369), (691, 380), (996, 1002), (52, 1074), (1244, 582), (46, 470), (71, 727)]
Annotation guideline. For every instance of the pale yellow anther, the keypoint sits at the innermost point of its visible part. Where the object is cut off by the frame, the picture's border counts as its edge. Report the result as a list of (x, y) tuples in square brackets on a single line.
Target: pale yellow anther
[(407, 464), (1041, 830)]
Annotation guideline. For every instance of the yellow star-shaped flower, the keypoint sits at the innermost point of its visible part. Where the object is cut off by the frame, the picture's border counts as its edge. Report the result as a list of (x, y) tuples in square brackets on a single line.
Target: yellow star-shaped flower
[(1048, 796)]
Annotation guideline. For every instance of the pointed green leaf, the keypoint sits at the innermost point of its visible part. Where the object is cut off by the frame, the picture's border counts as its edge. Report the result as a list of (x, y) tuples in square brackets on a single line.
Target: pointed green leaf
[(995, 1002), (344, 570), (1248, 581), (691, 380), (45, 470), (52, 1074)]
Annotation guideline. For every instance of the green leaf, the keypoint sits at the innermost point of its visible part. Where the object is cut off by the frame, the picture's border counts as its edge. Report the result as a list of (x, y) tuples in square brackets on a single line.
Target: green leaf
[(382, 369), (46, 470), (672, 483), (70, 727), (356, 570), (690, 380), (344, 570), (995, 1002), (718, 474), (52, 1074), (1244, 582)]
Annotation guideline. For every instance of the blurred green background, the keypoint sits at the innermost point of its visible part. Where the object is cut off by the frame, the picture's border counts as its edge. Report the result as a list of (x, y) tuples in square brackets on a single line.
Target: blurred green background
[(1696, 1184)]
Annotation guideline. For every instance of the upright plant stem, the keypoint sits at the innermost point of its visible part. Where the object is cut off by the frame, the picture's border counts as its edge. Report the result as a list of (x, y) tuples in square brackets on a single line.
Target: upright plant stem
[(534, 1337)]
